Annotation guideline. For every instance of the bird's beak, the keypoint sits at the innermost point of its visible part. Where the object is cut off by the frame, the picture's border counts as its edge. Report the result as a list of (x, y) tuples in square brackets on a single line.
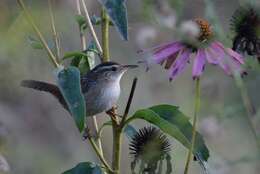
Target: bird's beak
[(129, 66)]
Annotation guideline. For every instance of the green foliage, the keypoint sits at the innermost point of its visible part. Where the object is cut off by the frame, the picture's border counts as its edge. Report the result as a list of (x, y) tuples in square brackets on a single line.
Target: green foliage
[(69, 83), (84, 60), (173, 122), (117, 12), (85, 168), (81, 20), (35, 44)]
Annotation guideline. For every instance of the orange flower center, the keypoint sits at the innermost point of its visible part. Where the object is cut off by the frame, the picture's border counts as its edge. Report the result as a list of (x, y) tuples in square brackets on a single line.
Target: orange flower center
[(205, 29)]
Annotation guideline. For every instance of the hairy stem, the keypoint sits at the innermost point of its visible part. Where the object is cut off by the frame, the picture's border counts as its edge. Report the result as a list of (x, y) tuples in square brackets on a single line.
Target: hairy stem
[(54, 31), (105, 35), (196, 110), (39, 34), (92, 31)]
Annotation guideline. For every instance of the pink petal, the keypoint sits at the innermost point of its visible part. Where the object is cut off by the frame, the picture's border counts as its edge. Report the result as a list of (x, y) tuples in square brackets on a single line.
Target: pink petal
[(180, 63), (231, 53), (166, 51), (199, 63), (220, 56), (211, 56)]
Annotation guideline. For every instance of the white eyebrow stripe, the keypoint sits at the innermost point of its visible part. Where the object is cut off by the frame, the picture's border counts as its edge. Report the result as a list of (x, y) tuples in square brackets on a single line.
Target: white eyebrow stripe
[(106, 67)]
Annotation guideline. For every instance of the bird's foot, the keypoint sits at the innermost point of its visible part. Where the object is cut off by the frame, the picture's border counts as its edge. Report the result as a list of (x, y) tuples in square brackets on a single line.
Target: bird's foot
[(113, 114)]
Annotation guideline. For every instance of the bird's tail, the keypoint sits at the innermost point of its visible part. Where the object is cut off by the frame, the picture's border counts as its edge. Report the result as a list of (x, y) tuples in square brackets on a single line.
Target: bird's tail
[(46, 87)]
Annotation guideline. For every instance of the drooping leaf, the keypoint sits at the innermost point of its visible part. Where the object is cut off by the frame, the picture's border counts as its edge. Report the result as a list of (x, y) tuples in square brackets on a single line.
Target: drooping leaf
[(117, 12), (173, 122), (85, 168), (69, 83)]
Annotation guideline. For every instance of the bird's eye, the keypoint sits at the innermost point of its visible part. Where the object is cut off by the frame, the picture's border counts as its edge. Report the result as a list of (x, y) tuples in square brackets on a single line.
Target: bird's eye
[(113, 68)]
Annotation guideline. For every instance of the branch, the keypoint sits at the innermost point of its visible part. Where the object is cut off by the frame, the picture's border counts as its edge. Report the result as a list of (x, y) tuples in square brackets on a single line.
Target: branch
[(129, 102), (37, 31), (54, 31), (92, 31), (97, 150)]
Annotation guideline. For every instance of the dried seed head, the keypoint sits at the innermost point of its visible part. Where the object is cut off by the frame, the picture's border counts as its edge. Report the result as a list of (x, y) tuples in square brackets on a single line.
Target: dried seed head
[(149, 145)]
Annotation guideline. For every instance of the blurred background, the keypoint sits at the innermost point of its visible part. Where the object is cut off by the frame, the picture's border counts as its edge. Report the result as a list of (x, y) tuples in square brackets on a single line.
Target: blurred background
[(38, 136)]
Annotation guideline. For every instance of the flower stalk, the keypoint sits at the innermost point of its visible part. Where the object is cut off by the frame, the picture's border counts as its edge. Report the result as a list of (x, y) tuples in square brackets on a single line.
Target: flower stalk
[(248, 106), (196, 111)]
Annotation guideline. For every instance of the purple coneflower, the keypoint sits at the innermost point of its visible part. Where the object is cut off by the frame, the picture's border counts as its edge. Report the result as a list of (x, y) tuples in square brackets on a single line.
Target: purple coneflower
[(175, 55)]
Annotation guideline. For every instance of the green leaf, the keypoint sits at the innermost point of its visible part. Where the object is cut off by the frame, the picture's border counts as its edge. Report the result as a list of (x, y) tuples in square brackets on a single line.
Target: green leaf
[(73, 54), (117, 12), (81, 20), (69, 83), (173, 122), (35, 44), (85, 168)]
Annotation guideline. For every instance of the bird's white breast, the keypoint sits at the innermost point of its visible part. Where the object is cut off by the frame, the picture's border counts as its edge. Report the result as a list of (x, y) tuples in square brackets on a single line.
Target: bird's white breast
[(102, 99)]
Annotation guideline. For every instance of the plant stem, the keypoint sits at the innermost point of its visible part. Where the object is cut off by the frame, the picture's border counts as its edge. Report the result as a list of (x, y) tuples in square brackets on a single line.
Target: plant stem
[(105, 35), (196, 110), (37, 31), (117, 134), (248, 106), (117, 129), (102, 159), (54, 31), (82, 36), (84, 47), (92, 31)]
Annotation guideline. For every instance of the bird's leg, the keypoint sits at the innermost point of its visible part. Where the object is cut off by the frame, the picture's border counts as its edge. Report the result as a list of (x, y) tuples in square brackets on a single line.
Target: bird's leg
[(113, 113)]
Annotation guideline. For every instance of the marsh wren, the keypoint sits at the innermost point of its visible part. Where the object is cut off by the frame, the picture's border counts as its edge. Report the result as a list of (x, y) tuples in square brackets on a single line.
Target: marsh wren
[(100, 87)]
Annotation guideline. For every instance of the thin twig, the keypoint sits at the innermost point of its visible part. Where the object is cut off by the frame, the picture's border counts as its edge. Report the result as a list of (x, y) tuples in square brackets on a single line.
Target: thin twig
[(54, 31), (129, 102), (92, 31), (37, 31), (82, 36), (97, 150)]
